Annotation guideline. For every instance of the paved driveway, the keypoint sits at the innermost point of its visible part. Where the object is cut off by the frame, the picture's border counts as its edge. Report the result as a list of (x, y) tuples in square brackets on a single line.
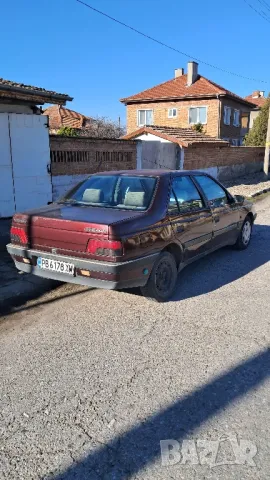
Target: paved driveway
[(91, 381)]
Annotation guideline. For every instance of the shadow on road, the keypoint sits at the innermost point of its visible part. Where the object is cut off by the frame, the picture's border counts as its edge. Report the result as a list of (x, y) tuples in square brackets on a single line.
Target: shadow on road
[(221, 267), (224, 266), (18, 305), (129, 453)]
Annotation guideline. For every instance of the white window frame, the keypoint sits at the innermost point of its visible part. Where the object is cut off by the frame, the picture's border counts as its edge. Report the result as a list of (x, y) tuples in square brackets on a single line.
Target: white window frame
[(170, 112), (226, 108), (234, 123), (198, 106), (144, 110)]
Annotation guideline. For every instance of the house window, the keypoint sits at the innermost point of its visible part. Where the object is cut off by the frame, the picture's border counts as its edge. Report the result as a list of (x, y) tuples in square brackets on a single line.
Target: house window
[(236, 118), (172, 112), (227, 115), (145, 117), (245, 120), (198, 115)]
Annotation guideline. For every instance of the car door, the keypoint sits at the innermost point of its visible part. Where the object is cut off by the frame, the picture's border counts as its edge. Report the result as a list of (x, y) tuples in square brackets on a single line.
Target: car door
[(226, 215), (190, 217)]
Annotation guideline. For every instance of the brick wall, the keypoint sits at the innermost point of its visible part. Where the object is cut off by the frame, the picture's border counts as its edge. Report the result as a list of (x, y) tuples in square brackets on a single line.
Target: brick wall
[(79, 156), (160, 114), (205, 156), (215, 109)]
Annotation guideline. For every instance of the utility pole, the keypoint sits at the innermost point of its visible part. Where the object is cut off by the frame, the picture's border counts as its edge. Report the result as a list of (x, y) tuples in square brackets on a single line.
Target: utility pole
[(119, 126), (267, 148)]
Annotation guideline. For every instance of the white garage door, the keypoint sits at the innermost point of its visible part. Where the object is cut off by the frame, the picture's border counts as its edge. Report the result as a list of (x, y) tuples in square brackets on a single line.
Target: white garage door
[(7, 205), (30, 158), (25, 143)]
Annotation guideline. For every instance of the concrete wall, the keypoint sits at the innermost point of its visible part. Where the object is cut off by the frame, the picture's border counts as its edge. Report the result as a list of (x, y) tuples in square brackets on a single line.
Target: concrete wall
[(10, 108), (61, 184), (253, 115)]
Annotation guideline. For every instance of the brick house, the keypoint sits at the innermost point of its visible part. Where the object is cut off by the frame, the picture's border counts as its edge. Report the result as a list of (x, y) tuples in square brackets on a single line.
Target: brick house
[(189, 99), (259, 100), (60, 116)]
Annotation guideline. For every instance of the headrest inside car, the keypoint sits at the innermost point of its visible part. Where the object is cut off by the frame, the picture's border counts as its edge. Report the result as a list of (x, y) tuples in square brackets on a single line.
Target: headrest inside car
[(135, 199), (93, 195)]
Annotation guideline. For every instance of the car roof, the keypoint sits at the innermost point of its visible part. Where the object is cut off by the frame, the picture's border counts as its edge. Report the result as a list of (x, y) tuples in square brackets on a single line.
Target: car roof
[(151, 172)]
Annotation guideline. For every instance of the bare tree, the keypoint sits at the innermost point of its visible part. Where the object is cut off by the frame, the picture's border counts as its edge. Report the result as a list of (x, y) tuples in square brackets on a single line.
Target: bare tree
[(102, 127)]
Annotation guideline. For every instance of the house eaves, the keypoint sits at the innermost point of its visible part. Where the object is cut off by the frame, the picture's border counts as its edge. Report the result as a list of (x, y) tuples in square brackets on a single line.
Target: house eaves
[(181, 136), (45, 96), (126, 101)]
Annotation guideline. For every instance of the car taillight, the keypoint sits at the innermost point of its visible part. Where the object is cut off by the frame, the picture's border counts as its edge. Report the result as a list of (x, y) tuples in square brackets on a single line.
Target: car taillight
[(105, 248), (18, 235)]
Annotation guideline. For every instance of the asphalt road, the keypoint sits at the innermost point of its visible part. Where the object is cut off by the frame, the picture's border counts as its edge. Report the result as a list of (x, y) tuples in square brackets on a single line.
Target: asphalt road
[(91, 381)]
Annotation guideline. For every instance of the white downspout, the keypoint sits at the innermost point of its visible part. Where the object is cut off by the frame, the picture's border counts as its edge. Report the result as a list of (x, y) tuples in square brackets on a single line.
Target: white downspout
[(182, 158), (139, 155)]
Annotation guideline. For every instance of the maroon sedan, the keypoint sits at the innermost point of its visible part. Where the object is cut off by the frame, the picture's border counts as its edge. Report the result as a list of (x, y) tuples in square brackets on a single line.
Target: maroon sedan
[(131, 228)]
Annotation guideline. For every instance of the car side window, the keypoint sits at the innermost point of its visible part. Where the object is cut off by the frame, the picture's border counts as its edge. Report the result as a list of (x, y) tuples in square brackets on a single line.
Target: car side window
[(184, 196), (212, 190)]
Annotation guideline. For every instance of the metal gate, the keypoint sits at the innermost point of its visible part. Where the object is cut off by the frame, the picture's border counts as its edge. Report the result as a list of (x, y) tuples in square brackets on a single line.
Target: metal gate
[(25, 182)]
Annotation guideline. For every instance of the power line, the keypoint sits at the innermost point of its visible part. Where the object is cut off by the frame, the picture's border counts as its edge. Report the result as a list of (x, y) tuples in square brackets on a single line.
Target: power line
[(255, 10), (265, 5), (168, 46), (263, 2)]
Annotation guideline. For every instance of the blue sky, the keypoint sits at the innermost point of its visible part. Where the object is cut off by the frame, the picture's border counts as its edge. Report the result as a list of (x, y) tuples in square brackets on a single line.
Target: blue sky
[(64, 46)]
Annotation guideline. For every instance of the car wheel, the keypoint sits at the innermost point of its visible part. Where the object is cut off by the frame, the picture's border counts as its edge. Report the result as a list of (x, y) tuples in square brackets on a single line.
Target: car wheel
[(162, 281), (245, 235)]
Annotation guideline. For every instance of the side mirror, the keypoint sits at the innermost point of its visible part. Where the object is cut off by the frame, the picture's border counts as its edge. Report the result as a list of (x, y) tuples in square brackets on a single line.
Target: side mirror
[(239, 198)]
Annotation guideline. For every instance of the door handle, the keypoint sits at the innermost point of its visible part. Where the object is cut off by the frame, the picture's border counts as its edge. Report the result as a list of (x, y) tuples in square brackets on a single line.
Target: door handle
[(216, 219)]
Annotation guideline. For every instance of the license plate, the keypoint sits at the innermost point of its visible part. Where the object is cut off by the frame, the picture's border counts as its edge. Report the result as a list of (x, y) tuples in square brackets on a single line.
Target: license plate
[(55, 266)]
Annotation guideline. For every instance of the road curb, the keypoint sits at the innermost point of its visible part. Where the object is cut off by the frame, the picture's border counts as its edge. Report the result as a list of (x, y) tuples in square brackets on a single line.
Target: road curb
[(261, 192)]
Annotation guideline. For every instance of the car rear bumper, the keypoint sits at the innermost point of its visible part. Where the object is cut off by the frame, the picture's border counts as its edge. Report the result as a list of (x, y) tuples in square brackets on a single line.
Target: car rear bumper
[(109, 275)]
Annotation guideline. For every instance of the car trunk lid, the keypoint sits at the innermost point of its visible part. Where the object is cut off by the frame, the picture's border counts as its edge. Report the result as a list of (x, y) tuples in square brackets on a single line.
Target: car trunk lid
[(68, 227)]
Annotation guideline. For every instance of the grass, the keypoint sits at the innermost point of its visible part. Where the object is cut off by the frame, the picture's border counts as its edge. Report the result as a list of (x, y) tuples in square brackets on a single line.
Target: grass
[(259, 197)]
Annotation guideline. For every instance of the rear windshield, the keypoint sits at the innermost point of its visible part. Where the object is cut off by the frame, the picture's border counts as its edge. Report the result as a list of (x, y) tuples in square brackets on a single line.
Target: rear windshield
[(114, 191)]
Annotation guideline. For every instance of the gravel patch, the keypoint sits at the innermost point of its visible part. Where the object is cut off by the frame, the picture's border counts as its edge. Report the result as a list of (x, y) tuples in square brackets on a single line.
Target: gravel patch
[(249, 186)]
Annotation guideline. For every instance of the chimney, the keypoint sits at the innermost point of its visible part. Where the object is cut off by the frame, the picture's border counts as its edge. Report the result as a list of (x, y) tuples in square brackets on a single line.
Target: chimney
[(262, 93), (178, 72), (256, 94), (192, 73)]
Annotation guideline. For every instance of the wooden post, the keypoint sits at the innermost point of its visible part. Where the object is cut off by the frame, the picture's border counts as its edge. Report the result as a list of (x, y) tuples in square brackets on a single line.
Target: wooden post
[(267, 148)]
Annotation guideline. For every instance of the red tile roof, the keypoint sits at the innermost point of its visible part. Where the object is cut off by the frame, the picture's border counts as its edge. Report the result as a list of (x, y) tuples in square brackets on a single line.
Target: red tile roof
[(181, 136), (259, 101), (177, 89), (64, 117)]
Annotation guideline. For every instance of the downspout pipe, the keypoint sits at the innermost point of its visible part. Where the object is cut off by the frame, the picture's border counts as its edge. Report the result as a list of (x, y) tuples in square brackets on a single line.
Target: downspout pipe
[(180, 157)]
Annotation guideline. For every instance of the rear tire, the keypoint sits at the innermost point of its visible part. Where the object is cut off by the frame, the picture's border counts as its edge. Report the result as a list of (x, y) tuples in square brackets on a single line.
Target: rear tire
[(245, 235), (162, 281)]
